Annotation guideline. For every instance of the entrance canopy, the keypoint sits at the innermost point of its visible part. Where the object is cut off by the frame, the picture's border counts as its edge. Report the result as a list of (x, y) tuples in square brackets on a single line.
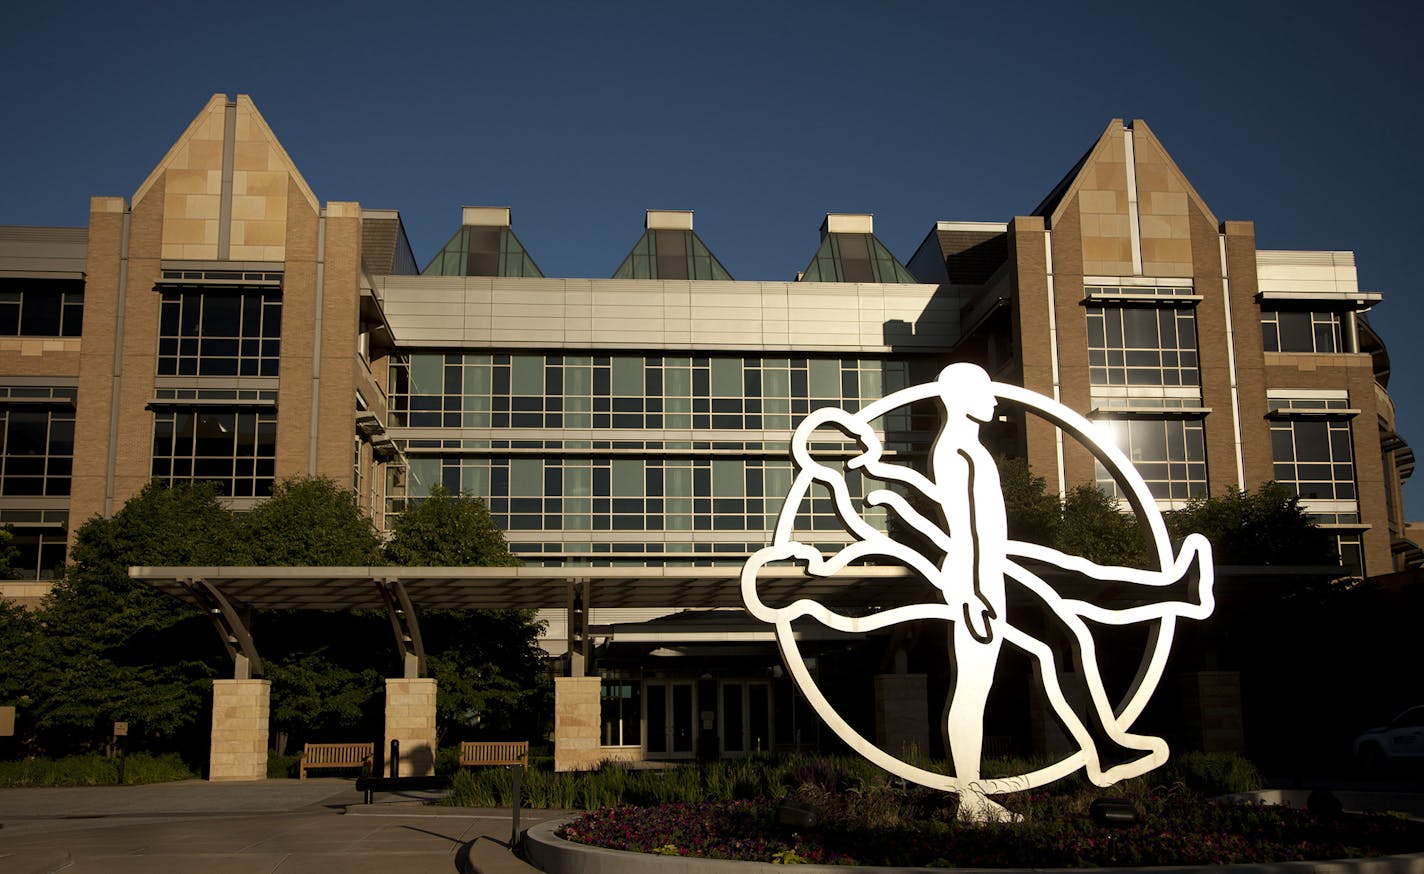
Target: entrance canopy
[(228, 595), (481, 588)]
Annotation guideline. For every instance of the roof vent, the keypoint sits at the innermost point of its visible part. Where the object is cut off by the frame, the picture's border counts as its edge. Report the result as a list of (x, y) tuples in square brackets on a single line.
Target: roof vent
[(485, 216), (848, 223), (669, 220)]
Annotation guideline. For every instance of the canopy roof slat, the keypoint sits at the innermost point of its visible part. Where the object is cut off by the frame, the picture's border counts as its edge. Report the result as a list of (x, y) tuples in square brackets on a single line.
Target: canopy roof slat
[(466, 588)]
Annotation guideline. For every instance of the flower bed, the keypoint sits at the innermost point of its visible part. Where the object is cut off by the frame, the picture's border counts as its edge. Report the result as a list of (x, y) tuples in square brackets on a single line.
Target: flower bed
[(895, 828)]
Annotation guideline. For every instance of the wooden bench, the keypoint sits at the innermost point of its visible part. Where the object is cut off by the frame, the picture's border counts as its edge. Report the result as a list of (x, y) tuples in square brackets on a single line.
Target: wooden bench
[(476, 754), (335, 756)]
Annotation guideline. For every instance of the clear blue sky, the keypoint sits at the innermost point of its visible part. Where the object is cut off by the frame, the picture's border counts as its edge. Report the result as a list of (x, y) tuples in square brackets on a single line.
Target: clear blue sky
[(761, 116)]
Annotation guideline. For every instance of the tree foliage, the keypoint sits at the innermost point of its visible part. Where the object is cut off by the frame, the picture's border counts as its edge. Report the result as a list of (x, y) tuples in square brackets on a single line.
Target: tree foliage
[(9, 555), (310, 522), (1033, 515), (1266, 527), (488, 663), (108, 649), (446, 530), (1093, 527)]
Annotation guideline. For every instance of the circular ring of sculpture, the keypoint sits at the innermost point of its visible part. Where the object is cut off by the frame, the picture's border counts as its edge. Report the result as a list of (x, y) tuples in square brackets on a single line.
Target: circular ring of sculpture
[(966, 522)]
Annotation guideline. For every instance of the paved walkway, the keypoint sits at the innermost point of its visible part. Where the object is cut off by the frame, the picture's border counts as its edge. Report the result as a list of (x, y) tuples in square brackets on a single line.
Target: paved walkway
[(285, 826)]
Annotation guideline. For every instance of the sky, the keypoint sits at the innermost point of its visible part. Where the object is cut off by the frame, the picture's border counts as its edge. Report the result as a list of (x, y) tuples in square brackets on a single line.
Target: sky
[(760, 116)]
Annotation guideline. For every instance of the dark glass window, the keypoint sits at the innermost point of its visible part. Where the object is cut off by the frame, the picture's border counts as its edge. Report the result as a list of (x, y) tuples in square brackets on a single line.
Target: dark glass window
[(36, 450), (219, 332), (41, 307), (1301, 330), (1170, 454), (1142, 346), (234, 448), (1314, 457)]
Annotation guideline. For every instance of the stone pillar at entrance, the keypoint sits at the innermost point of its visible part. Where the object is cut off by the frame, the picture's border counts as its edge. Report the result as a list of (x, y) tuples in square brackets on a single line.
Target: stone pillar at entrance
[(1211, 711), (410, 719), (238, 750), (576, 723), (901, 713)]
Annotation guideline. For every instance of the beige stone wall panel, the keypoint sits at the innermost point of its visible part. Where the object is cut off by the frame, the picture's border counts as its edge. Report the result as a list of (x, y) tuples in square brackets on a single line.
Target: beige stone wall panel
[(36, 356)]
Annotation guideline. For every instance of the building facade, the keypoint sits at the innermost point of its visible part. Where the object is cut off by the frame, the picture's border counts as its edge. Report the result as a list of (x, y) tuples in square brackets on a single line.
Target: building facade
[(223, 324)]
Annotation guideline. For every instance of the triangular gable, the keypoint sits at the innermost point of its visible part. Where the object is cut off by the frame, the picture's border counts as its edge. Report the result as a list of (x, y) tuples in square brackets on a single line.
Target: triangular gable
[(225, 184)]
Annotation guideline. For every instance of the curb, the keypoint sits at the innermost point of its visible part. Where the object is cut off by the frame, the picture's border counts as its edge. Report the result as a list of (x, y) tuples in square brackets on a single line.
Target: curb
[(555, 855)]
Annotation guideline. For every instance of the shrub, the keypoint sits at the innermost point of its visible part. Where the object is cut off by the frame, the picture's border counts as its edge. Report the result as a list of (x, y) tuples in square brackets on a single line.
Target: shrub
[(280, 766), (93, 769), (1214, 773)]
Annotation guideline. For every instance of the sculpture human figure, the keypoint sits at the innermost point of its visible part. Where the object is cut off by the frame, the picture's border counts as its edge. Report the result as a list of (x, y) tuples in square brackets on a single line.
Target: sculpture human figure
[(978, 559)]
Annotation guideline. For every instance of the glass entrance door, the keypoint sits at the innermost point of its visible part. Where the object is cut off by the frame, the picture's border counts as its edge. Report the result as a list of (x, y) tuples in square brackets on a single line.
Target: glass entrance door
[(745, 717), (671, 718)]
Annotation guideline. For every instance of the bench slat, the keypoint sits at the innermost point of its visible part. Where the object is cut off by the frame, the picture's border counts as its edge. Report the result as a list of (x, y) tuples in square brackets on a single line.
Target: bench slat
[(354, 755), (481, 753)]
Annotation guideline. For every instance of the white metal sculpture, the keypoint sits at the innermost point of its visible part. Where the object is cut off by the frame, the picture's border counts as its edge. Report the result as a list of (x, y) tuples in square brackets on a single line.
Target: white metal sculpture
[(962, 489)]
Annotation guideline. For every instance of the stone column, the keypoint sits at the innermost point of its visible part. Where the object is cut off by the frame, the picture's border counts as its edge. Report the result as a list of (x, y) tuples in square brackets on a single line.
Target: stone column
[(576, 723), (410, 719), (1211, 711), (238, 748), (902, 714)]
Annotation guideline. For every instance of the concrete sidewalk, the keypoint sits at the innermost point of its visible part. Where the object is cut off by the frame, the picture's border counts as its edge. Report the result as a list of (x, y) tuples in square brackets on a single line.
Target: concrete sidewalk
[(243, 828)]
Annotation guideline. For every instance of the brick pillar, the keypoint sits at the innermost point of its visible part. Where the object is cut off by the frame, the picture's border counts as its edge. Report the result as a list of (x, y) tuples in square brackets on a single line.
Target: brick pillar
[(576, 723), (238, 748), (410, 719), (1211, 711), (902, 714)]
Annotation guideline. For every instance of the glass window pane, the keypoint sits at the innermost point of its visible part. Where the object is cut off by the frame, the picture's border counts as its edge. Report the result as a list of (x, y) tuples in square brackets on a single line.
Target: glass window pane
[(727, 377), (526, 477), (825, 378), (526, 375), (728, 478), (628, 477), (627, 375)]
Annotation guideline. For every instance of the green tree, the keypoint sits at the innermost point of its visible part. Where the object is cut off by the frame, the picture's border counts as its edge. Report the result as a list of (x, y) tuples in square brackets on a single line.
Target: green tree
[(310, 522), (446, 530), (487, 662), (1033, 514), (1093, 527), (9, 555), (111, 649), (1266, 527), (326, 666)]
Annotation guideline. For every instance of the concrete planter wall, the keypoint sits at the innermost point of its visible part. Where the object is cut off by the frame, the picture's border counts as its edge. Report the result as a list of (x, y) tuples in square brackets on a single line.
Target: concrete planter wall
[(554, 855)]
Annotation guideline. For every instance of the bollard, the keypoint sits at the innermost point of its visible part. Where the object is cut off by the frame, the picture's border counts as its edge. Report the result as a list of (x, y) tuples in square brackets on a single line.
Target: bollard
[(514, 814), (395, 758)]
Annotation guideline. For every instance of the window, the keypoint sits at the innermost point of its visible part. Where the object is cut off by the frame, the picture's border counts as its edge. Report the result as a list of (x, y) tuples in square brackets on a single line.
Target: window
[(220, 331), (1301, 330), (36, 450), (41, 307), (1314, 458), (1170, 454), (234, 448), (1350, 547), (40, 551), (1142, 346), (453, 390), (620, 706), (568, 493)]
